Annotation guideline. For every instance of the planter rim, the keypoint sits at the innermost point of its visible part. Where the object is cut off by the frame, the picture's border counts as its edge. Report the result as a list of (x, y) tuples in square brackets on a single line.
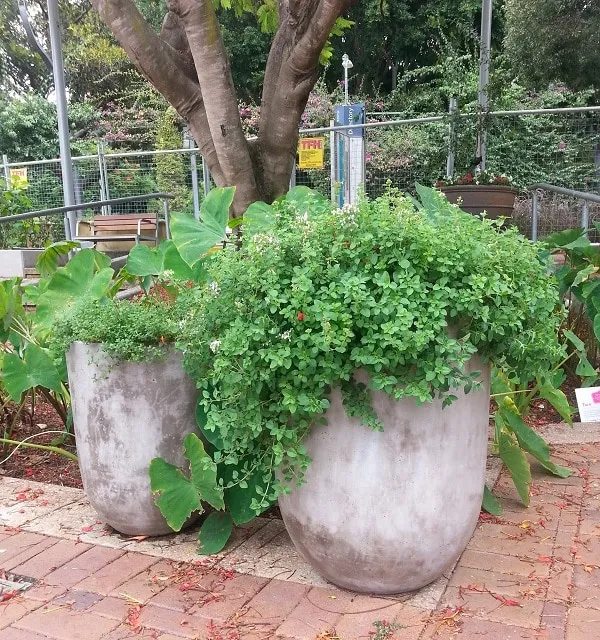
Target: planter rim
[(479, 187)]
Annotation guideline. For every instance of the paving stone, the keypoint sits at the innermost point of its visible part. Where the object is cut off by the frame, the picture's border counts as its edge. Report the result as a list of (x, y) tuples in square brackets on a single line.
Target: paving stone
[(146, 584), (275, 601), (43, 592), (306, 621), (590, 523), (529, 546), (15, 609), (475, 628), (173, 622), (111, 607), (116, 573), (588, 551), (406, 621), (18, 634), (504, 584), (231, 596), (76, 600), (19, 548), (487, 607), (586, 587), (582, 624), (560, 583), (51, 559), (64, 624), (554, 616), (82, 566), (504, 564)]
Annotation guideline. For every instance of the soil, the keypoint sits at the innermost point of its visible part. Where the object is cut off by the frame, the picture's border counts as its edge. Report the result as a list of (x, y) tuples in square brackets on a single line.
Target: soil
[(44, 466)]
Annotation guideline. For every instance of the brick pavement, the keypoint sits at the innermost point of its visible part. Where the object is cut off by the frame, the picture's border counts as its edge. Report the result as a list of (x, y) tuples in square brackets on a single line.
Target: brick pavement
[(532, 574)]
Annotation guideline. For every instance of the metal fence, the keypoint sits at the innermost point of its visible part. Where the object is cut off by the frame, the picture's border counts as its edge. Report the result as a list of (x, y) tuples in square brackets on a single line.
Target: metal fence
[(556, 146)]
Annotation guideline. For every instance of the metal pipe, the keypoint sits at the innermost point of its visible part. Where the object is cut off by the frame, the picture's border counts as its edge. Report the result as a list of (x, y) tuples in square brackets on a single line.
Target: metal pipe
[(205, 177), (7, 179), (534, 216), (484, 79), (195, 194), (583, 195), (332, 159), (165, 206), (585, 215), (84, 205), (452, 141), (62, 116)]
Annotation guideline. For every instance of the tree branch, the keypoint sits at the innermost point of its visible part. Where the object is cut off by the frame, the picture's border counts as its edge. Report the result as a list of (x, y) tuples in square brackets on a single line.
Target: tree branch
[(157, 62), (214, 74)]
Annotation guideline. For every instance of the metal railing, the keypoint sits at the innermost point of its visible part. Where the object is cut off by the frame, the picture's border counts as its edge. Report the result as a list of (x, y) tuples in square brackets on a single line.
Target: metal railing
[(573, 193)]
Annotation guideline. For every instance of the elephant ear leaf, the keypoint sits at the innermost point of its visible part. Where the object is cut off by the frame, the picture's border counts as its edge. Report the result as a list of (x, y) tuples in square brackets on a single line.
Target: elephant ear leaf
[(34, 368)]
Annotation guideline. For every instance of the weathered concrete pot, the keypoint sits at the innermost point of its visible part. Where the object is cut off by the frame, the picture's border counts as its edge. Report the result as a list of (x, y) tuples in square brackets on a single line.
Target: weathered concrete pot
[(388, 512), (125, 414)]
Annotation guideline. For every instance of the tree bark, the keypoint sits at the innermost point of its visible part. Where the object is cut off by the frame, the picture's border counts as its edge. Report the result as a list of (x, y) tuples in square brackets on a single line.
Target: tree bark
[(188, 65)]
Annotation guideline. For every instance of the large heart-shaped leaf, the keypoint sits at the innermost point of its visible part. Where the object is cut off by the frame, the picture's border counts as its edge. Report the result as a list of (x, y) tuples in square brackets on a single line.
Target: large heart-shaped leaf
[(214, 210), (203, 472), (87, 274), (195, 239), (259, 218), (239, 499), (34, 368), (178, 497), (215, 532), (47, 262), (146, 261), (569, 239)]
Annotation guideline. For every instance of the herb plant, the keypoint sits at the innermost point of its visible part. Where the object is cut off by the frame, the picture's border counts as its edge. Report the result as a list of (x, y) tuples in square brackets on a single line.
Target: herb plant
[(406, 291)]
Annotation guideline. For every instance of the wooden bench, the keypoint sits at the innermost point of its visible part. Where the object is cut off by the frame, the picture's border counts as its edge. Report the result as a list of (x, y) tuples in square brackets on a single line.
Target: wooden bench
[(131, 226)]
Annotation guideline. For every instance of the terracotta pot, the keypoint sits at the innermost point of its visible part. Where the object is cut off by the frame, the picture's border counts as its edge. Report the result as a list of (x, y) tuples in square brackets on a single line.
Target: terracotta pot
[(496, 200), (391, 511)]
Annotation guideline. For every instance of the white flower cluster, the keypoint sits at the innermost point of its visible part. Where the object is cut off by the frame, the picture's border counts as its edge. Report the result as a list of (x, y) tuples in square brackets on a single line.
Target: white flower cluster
[(214, 345), (264, 241), (214, 288), (286, 335)]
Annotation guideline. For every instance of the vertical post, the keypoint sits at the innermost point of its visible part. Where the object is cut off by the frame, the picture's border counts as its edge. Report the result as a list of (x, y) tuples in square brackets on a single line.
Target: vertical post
[(205, 177), (104, 193), (6, 172), (293, 176), (484, 78), (585, 215), (63, 121), (194, 170), (534, 215), (332, 158), (165, 204), (452, 132)]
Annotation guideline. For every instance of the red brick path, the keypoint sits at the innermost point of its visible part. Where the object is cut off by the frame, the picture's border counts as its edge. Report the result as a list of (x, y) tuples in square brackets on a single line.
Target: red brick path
[(532, 574)]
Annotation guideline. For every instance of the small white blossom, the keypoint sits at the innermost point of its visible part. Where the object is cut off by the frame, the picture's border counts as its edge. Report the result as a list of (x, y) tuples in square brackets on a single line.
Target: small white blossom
[(214, 288), (286, 335), (214, 345)]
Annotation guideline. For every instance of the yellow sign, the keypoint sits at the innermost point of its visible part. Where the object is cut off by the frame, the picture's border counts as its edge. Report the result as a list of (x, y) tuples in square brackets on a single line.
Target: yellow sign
[(18, 176), (311, 153)]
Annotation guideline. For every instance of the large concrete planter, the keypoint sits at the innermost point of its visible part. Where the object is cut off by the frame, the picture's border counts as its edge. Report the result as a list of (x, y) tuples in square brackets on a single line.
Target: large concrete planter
[(125, 414), (496, 200), (388, 512)]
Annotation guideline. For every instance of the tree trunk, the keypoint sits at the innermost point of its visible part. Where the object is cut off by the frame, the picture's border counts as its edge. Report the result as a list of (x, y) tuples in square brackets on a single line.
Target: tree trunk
[(188, 65)]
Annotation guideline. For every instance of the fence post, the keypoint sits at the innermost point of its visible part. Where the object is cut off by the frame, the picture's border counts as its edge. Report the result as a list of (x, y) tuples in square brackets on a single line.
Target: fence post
[(205, 177), (585, 215), (534, 215), (194, 170), (293, 176), (6, 172), (332, 158), (452, 141), (104, 189)]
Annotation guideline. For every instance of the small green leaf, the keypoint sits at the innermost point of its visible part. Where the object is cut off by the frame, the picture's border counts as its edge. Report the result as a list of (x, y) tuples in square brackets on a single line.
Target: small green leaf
[(215, 532), (585, 368), (178, 497), (517, 465), (490, 503), (211, 436)]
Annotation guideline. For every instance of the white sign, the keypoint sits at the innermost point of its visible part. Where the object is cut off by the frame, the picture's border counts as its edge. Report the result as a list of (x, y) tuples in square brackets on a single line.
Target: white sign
[(588, 401)]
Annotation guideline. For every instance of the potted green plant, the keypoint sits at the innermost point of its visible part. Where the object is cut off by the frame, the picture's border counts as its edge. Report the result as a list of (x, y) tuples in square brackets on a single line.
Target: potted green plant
[(478, 192), (342, 358)]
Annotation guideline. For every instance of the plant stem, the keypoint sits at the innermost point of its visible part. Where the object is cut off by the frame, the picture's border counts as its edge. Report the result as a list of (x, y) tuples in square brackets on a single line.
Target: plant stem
[(44, 447)]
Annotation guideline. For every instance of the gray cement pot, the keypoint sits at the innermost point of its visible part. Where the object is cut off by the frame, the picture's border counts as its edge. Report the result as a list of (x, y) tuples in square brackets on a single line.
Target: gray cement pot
[(125, 414), (389, 512)]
